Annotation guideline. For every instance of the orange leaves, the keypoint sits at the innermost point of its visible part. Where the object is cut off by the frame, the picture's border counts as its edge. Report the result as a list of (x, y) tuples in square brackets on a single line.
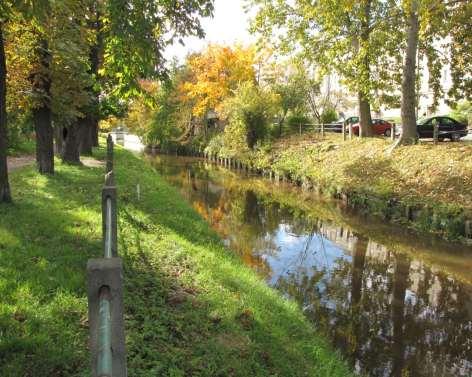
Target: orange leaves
[(214, 74)]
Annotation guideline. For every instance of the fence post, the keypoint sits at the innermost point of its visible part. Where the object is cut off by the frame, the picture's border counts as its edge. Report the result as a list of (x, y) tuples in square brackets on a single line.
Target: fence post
[(109, 217), (435, 132), (300, 129), (105, 308), (322, 130), (344, 131), (393, 131), (350, 131), (109, 161)]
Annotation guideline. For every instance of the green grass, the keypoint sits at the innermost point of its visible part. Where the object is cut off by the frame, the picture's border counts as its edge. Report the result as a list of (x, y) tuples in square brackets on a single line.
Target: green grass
[(192, 307), (23, 147)]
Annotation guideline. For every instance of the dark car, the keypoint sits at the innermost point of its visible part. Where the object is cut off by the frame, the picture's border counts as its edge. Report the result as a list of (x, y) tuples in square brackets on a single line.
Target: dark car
[(338, 125), (379, 127), (448, 128)]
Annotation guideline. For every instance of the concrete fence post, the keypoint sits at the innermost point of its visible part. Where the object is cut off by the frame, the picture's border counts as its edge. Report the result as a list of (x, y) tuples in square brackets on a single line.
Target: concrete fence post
[(393, 131), (109, 217), (109, 160), (343, 129), (107, 336), (322, 130), (350, 131), (435, 132)]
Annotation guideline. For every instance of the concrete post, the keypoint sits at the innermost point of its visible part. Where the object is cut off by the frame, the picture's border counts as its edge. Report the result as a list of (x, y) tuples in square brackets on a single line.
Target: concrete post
[(343, 127), (107, 273), (109, 161), (435, 132), (109, 216), (322, 130), (393, 131), (350, 131)]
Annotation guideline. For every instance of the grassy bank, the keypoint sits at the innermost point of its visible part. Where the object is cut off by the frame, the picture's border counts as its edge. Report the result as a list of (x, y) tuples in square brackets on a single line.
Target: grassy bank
[(426, 186), (192, 308)]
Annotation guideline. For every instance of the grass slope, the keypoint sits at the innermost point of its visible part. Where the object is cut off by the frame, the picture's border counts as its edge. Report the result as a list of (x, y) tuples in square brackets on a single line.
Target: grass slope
[(192, 308)]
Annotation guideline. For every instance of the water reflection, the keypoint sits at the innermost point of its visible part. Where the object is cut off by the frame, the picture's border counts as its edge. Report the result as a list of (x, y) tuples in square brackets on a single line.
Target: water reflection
[(391, 313)]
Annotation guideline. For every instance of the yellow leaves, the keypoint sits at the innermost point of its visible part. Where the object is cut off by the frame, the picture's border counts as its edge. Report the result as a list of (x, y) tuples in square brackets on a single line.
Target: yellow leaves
[(214, 74)]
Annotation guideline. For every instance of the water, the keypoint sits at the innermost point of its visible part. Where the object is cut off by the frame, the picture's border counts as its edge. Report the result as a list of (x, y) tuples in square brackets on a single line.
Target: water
[(393, 303)]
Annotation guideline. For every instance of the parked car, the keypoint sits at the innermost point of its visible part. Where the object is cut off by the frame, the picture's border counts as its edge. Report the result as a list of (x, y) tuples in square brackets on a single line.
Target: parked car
[(338, 125), (448, 128), (380, 127)]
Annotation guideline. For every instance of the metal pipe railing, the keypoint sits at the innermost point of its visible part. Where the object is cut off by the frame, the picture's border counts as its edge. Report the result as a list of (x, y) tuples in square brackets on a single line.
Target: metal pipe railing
[(108, 230), (105, 355), (104, 278)]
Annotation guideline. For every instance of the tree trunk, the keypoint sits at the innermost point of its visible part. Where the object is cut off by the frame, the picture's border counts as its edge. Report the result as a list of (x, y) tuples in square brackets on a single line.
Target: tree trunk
[(87, 132), (96, 58), (365, 121), (41, 83), (71, 143), (58, 137), (409, 78), (5, 195), (44, 139)]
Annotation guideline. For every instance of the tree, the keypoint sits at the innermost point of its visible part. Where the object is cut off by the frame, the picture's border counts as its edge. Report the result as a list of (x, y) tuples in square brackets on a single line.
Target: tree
[(344, 36), (459, 26), (214, 74), (289, 85), (5, 195), (409, 77), (424, 26), (248, 113)]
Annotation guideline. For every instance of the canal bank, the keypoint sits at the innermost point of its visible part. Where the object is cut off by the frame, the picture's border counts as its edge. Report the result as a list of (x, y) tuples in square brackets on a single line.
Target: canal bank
[(394, 302), (192, 308), (425, 186)]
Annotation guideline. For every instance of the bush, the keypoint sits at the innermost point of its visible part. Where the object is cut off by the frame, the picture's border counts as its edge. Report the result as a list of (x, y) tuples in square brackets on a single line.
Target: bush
[(248, 113), (463, 112), (329, 115), (294, 121)]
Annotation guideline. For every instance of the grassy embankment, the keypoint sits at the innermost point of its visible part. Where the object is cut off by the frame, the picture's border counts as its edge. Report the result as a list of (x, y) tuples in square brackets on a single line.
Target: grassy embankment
[(426, 186), (192, 308)]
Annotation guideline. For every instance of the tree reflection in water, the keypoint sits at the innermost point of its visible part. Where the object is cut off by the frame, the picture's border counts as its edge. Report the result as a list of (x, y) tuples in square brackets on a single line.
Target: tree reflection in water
[(389, 314)]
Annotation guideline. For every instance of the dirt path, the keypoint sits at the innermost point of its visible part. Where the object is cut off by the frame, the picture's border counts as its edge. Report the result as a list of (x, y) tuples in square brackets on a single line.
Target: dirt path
[(14, 163)]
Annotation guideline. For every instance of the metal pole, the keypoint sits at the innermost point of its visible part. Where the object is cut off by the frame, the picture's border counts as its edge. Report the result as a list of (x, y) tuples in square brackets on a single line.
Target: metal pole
[(104, 359), (108, 252)]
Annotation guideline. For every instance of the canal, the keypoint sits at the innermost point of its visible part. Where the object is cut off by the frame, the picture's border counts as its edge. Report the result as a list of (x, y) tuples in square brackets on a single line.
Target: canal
[(392, 302)]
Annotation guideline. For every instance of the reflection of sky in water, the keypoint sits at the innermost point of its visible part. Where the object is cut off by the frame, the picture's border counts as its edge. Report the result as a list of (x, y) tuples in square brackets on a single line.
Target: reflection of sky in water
[(380, 307), (302, 255)]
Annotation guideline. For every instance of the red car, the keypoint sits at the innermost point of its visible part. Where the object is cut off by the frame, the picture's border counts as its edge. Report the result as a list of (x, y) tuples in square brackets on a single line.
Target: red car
[(380, 126)]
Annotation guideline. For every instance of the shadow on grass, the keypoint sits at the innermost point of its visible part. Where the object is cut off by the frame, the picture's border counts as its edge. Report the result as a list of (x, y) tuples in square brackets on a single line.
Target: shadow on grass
[(47, 236)]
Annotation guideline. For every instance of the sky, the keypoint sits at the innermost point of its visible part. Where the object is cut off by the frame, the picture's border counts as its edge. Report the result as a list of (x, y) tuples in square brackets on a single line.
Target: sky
[(229, 25)]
